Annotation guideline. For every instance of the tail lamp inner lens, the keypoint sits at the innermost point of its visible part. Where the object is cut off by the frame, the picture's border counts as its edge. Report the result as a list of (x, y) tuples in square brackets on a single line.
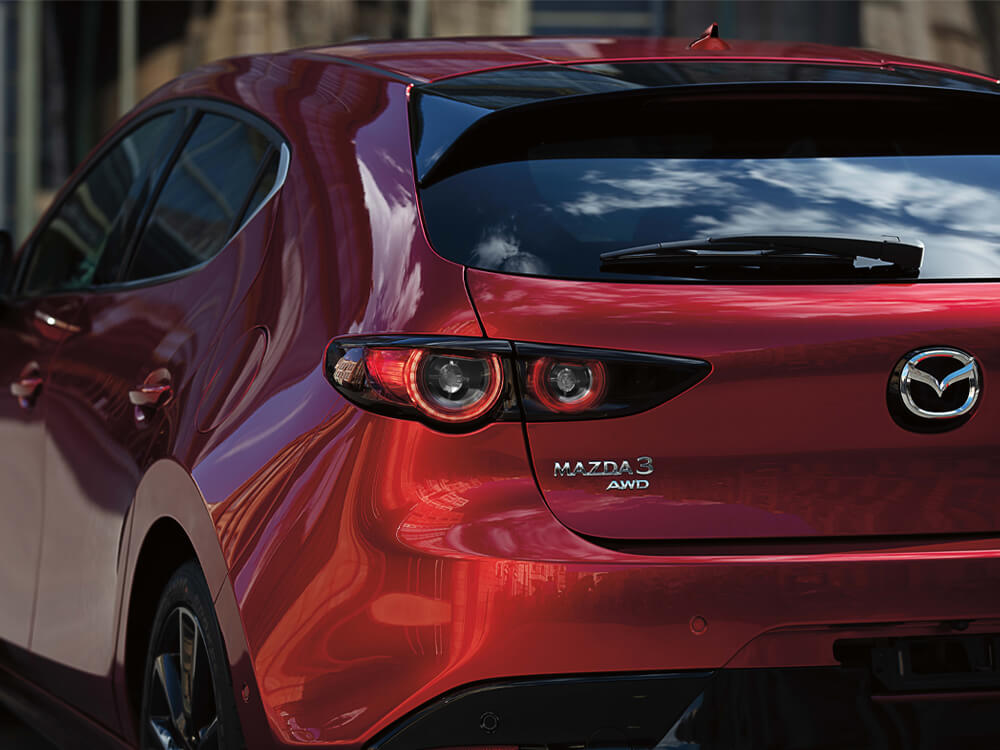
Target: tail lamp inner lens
[(413, 381), (566, 386), (453, 388), (386, 370)]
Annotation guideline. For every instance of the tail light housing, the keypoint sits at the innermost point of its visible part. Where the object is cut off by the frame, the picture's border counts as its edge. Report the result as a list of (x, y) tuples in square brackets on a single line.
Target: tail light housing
[(458, 384)]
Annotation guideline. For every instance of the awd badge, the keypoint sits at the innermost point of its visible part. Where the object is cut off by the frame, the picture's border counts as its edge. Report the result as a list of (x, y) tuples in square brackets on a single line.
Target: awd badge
[(609, 468)]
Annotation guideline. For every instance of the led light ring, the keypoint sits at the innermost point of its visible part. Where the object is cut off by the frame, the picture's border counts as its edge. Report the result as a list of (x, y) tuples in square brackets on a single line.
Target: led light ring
[(538, 382), (466, 413)]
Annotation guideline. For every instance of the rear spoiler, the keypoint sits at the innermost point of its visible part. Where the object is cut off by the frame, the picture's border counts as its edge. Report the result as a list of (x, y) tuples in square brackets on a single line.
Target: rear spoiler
[(457, 126)]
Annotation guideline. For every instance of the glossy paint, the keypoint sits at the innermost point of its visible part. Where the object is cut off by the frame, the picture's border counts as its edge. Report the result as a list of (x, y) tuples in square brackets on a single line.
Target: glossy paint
[(28, 344), (364, 565), (790, 435), (434, 59)]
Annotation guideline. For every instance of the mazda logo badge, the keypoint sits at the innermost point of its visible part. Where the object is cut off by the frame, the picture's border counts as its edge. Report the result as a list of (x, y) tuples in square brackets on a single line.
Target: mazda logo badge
[(935, 389)]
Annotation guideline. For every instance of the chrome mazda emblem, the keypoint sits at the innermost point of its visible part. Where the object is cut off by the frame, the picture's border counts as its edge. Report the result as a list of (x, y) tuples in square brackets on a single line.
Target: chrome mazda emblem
[(937, 388)]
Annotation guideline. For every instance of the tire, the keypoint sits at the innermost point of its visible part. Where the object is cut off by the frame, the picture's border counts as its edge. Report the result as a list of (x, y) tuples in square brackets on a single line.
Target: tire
[(186, 706)]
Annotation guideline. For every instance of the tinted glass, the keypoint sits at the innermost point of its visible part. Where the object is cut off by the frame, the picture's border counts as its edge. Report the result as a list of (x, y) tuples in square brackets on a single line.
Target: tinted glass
[(555, 217), (202, 198), (69, 248), (268, 175), (557, 191)]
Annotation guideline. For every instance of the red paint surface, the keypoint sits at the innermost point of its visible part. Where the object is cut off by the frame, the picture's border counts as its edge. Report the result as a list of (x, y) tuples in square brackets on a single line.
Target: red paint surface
[(365, 565), (789, 436)]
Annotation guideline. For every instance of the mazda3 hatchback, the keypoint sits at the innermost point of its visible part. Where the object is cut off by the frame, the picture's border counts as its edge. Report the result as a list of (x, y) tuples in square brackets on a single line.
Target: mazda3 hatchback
[(521, 394)]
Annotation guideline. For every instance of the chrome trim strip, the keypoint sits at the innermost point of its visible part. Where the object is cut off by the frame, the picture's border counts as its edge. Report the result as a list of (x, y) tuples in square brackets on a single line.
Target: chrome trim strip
[(54, 322), (284, 159)]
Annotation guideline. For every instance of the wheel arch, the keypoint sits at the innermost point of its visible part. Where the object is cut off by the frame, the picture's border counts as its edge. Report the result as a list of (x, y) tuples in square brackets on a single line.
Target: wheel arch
[(164, 549), (169, 525)]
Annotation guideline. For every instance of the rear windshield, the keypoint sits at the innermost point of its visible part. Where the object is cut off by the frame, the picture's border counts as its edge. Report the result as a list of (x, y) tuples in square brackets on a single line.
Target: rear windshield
[(546, 192)]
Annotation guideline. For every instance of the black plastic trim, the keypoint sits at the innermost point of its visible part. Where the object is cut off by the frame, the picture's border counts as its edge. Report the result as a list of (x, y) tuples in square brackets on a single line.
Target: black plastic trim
[(539, 711), (465, 148), (456, 344)]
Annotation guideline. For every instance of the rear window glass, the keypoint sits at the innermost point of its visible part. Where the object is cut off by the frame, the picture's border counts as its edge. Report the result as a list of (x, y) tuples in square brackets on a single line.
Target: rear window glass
[(558, 192)]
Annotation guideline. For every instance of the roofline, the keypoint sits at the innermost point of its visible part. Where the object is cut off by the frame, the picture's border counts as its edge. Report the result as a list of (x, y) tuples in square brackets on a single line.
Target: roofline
[(369, 67), (884, 64), (367, 54)]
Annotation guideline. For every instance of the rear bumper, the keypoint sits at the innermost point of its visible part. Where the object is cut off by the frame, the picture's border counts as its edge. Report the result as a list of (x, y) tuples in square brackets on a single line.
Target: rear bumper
[(435, 625), (802, 708), (411, 575)]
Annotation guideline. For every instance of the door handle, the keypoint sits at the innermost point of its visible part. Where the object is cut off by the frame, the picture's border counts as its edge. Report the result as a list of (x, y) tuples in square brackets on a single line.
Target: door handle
[(53, 322), (27, 386), (26, 390), (150, 396)]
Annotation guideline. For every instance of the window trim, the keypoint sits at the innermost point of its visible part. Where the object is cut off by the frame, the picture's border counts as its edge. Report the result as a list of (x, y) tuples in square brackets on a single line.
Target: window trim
[(189, 109)]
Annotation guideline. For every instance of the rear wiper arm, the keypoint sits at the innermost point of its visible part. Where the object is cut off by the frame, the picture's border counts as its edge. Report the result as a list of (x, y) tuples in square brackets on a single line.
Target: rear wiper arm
[(760, 248)]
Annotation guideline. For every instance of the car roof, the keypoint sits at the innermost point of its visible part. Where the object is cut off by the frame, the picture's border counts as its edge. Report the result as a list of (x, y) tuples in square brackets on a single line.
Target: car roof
[(441, 65), (426, 60)]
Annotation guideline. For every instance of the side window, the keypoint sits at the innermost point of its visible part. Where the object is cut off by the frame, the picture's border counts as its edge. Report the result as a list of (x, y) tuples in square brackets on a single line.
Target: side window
[(67, 250), (268, 176), (203, 198)]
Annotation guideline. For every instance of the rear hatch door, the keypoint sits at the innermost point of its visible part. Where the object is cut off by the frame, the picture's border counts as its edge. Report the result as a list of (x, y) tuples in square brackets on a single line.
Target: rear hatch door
[(800, 429)]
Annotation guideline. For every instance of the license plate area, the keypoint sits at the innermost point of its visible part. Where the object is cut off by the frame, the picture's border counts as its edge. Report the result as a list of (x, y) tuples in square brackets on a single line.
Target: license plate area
[(926, 664)]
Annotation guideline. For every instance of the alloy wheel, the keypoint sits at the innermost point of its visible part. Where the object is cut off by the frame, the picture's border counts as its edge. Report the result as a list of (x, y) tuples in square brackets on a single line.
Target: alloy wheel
[(182, 711)]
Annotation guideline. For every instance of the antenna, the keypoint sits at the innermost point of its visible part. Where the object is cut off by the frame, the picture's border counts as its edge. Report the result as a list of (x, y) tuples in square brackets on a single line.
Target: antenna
[(709, 39)]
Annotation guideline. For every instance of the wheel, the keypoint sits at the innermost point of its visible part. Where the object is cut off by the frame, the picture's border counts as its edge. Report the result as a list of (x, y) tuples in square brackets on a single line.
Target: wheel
[(187, 699)]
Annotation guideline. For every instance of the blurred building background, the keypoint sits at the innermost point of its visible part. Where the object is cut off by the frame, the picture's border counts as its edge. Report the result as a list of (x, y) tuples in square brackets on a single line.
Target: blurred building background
[(69, 69)]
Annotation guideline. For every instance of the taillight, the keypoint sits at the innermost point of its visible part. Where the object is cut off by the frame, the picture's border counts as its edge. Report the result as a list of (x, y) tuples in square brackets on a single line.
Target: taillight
[(561, 383), (459, 384), (451, 384)]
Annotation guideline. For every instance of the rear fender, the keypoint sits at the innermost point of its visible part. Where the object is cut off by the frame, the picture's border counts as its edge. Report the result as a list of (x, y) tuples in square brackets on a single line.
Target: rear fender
[(167, 491)]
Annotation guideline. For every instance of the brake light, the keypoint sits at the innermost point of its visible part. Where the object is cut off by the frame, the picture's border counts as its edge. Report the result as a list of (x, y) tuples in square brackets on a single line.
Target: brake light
[(451, 387), (458, 384), (387, 370)]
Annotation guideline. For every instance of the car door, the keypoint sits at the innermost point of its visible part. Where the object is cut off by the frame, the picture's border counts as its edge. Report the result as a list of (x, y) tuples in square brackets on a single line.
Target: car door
[(80, 239), (110, 391), (30, 332)]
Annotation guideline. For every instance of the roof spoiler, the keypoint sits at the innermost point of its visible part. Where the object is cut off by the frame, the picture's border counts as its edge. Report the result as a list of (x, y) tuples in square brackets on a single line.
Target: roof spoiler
[(452, 133)]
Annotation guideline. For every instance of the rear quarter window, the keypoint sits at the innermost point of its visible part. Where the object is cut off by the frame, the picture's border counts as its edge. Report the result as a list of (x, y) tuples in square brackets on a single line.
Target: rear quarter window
[(220, 172)]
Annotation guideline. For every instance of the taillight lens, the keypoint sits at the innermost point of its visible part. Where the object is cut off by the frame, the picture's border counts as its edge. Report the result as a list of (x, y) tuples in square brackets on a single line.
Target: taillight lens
[(449, 384), (566, 387), (562, 383), (452, 387), (459, 384)]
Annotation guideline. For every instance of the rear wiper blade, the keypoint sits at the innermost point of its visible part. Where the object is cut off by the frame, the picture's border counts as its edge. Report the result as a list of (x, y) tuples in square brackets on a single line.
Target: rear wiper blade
[(769, 249)]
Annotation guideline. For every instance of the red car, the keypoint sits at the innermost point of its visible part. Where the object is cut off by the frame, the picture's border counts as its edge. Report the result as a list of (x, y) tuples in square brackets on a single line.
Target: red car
[(513, 394)]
